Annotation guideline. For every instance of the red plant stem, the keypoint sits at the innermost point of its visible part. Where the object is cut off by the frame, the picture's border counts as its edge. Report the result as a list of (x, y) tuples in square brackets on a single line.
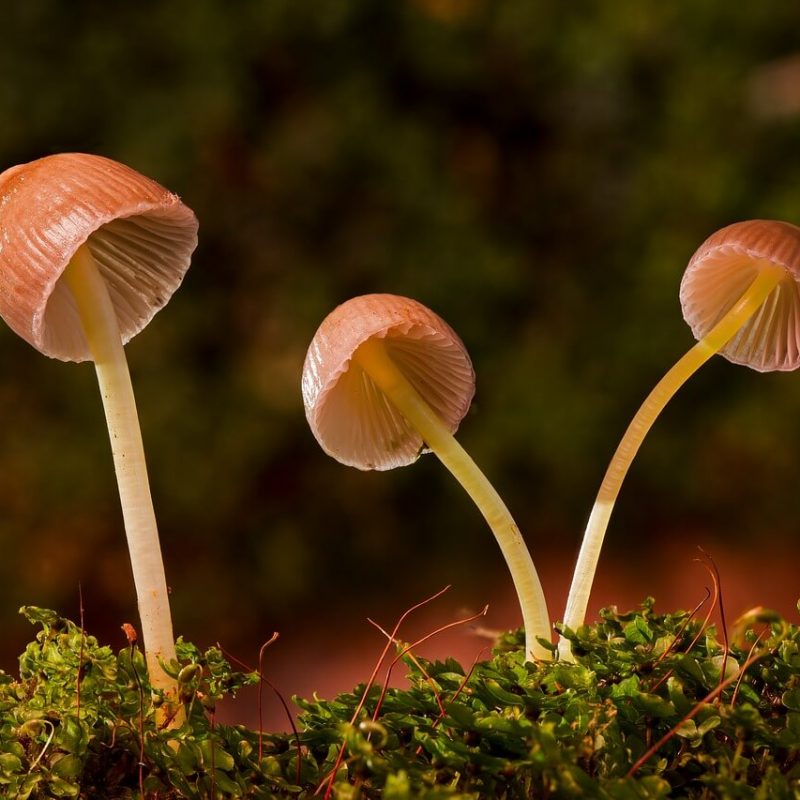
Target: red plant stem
[(683, 627), (262, 677), (718, 585), (419, 666), (461, 687), (735, 694), (131, 636), (442, 710), (702, 628), (329, 778), (425, 638), (80, 652), (264, 646)]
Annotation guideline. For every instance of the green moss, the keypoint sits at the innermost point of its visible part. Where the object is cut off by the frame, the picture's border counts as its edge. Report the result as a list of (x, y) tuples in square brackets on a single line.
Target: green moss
[(79, 722)]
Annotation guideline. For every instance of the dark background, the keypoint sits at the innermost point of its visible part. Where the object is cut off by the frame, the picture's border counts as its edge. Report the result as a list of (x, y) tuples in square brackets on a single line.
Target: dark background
[(537, 173)]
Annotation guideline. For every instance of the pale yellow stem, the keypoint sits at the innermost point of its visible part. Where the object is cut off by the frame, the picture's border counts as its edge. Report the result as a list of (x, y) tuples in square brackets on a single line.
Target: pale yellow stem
[(730, 324), (374, 359), (99, 321)]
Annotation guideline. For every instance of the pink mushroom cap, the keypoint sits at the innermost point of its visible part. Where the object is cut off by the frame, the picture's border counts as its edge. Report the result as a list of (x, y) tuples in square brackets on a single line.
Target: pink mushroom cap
[(141, 236), (353, 421), (720, 272)]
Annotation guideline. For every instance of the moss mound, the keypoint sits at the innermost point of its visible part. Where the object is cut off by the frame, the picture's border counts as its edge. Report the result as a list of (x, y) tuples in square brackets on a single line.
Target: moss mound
[(79, 721)]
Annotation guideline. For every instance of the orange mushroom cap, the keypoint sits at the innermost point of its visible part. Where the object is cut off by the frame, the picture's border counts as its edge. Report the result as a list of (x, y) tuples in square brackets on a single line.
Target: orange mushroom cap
[(350, 417), (141, 236), (720, 272)]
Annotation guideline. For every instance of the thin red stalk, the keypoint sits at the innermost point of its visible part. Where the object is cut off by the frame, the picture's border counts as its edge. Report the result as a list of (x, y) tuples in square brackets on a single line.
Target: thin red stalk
[(329, 778), (408, 650), (131, 636), (463, 684), (457, 692), (735, 694), (442, 710), (715, 581), (683, 627), (264, 646), (718, 583), (713, 694), (80, 652), (419, 666), (420, 641), (391, 639), (710, 610), (262, 677), (430, 681)]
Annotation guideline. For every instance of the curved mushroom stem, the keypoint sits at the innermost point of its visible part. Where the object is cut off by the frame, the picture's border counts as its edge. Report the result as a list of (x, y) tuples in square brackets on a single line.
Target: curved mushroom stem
[(100, 327), (374, 359), (730, 324)]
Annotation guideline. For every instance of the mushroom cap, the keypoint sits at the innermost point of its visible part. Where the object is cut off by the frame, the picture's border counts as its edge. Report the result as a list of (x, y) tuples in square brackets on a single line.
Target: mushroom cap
[(350, 417), (720, 272), (140, 235)]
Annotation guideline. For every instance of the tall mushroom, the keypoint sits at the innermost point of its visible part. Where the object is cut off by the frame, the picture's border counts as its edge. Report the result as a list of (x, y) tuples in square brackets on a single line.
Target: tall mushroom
[(385, 378), (90, 250), (740, 295)]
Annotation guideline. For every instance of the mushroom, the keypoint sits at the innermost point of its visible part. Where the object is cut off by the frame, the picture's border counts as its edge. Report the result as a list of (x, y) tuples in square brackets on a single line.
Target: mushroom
[(740, 295), (386, 379), (90, 250)]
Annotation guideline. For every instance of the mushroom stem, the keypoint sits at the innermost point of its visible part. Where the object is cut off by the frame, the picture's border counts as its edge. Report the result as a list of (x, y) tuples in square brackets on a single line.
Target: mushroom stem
[(99, 321), (374, 359), (767, 279)]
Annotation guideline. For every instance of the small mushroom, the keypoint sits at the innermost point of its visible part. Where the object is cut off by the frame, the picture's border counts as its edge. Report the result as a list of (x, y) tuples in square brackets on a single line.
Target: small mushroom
[(386, 379), (740, 295), (90, 250)]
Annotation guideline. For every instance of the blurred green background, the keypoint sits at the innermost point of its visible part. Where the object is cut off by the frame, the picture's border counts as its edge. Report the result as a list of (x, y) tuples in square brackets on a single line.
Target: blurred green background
[(538, 173)]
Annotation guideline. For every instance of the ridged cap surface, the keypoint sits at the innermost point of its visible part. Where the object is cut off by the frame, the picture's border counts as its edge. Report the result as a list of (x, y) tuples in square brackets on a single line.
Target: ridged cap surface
[(141, 236), (720, 272), (350, 417)]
